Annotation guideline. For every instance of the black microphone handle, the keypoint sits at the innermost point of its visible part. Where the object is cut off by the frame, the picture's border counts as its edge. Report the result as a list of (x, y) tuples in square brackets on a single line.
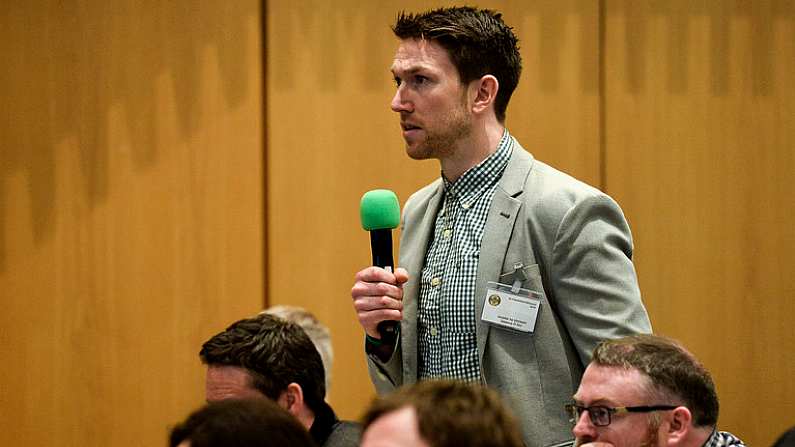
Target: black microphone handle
[(381, 247)]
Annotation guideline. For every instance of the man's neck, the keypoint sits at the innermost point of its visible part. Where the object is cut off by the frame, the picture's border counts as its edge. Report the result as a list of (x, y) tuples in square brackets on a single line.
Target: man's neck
[(481, 143), (306, 418)]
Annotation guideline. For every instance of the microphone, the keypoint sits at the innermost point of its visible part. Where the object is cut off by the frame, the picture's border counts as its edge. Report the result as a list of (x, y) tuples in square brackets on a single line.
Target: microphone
[(380, 213)]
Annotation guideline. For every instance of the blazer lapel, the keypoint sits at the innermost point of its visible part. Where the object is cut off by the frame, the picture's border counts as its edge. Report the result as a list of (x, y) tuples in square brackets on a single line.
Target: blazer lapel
[(416, 233), (499, 225)]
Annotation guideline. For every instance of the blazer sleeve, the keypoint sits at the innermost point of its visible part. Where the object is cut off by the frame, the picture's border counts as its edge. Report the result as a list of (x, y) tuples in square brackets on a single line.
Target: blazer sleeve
[(386, 376), (592, 275)]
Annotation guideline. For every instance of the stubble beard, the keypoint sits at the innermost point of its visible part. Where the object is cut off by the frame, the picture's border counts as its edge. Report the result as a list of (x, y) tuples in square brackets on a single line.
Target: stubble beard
[(440, 144), (650, 440)]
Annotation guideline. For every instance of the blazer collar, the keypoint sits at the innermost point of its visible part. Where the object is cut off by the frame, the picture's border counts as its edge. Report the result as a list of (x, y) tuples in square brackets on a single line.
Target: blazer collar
[(519, 166)]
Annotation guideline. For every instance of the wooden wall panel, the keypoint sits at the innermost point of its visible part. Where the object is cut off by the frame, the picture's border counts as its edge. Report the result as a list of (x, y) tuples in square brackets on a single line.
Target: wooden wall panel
[(700, 146), (130, 210), (331, 136)]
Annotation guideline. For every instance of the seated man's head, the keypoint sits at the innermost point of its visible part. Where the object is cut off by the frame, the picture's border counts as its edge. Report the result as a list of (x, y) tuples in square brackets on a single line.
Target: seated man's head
[(644, 390), (266, 356), (317, 332), (440, 413), (240, 423)]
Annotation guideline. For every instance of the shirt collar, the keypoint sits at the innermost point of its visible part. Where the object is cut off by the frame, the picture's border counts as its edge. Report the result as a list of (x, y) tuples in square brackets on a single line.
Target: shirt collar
[(722, 439), (476, 179)]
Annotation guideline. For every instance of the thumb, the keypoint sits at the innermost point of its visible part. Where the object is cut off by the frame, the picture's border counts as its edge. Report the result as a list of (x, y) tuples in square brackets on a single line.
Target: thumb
[(401, 275)]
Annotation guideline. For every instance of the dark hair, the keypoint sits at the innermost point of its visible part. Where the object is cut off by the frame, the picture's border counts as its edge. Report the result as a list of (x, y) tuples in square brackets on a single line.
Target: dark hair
[(452, 413), (674, 372), (275, 352), (241, 423), (478, 41)]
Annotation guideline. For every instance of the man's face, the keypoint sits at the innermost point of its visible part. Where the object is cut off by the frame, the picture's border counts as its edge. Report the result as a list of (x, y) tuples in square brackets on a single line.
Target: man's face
[(229, 382), (431, 101), (396, 429), (615, 387)]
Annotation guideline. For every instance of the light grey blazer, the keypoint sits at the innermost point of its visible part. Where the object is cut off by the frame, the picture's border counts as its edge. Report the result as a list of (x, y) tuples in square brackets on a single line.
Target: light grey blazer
[(577, 249)]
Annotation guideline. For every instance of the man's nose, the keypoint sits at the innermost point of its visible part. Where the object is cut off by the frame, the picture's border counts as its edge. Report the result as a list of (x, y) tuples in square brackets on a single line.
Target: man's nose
[(399, 102), (584, 430)]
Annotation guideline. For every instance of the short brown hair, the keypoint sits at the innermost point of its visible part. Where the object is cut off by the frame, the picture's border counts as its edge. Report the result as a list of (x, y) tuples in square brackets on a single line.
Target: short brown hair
[(478, 42), (452, 413), (674, 372)]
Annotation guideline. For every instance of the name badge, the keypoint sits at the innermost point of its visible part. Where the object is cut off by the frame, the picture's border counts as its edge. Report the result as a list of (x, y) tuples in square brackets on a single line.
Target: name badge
[(511, 307)]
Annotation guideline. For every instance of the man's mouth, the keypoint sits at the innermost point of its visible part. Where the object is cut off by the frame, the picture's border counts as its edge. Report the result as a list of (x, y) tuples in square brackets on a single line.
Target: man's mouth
[(407, 126)]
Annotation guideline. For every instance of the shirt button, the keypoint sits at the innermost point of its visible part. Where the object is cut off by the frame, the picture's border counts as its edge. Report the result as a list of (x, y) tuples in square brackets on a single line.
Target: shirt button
[(434, 331), (465, 205), (447, 232), (436, 281)]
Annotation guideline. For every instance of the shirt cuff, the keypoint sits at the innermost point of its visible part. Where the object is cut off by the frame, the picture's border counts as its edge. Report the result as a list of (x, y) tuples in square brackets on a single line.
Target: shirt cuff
[(381, 349)]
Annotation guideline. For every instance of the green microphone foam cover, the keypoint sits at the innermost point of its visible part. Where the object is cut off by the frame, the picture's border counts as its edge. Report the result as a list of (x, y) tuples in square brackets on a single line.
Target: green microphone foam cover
[(380, 210)]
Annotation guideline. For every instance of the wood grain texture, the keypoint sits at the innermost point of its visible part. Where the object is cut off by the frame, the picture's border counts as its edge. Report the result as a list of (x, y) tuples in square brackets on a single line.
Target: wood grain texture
[(130, 210), (700, 147), (331, 137)]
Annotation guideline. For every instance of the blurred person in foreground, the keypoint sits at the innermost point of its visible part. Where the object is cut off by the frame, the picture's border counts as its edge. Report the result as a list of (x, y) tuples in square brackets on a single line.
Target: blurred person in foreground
[(646, 390), (440, 413), (269, 357), (240, 423), (510, 271)]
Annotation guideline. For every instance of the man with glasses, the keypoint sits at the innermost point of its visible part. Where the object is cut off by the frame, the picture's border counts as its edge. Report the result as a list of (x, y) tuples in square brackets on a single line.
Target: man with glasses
[(645, 390)]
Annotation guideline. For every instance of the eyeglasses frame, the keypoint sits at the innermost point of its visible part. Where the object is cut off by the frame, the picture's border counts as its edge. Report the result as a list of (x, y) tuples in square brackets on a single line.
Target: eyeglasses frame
[(573, 409)]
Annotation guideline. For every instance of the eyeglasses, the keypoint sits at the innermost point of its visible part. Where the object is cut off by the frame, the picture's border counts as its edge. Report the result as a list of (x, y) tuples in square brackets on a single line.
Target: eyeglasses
[(600, 415)]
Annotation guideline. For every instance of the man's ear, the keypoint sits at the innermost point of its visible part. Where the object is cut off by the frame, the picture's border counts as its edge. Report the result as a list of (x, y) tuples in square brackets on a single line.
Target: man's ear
[(484, 92), (680, 424), (292, 398)]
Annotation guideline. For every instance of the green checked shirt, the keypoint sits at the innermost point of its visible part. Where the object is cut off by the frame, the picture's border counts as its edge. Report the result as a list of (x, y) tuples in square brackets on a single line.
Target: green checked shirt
[(446, 312), (723, 439)]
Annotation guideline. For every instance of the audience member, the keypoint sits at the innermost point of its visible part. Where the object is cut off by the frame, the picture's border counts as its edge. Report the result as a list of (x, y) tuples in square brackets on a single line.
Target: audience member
[(240, 423), (267, 356), (440, 413), (317, 332), (645, 390)]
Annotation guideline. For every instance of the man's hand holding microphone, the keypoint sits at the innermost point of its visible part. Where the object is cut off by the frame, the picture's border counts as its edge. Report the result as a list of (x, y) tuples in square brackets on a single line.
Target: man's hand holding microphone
[(378, 291)]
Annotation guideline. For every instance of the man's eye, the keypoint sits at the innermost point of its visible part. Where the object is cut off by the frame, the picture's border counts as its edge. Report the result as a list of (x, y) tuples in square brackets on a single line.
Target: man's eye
[(397, 82), (419, 80)]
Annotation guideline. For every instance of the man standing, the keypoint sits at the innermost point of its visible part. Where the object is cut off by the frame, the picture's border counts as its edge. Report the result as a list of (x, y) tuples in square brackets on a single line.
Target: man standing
[(511, 270), (644, 390), (268, 357)]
